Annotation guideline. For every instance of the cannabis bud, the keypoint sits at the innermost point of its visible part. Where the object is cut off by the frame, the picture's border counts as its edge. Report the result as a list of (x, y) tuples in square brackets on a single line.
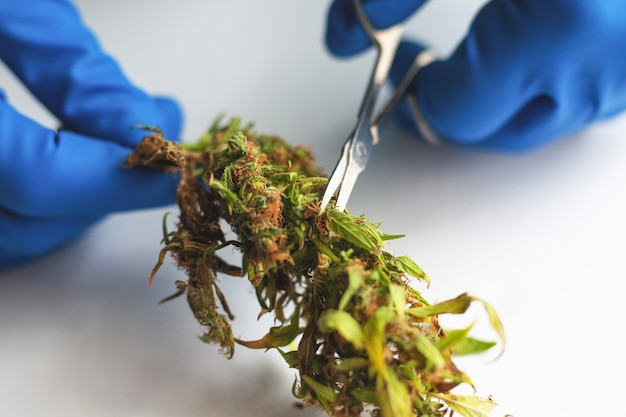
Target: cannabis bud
[(366, 338)]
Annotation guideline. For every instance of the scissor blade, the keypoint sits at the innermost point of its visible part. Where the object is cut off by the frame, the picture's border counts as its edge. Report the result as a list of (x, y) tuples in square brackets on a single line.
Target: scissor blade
[(359, 151), (354, 156), (336, 178), (349, 179)]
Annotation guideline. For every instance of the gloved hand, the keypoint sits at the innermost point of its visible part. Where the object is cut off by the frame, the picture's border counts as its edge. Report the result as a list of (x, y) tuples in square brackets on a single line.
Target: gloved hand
[(528, 71), (54, 185)]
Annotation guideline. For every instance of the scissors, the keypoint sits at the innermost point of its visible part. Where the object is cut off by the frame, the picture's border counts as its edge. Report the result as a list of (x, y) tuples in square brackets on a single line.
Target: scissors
[(358, 146)]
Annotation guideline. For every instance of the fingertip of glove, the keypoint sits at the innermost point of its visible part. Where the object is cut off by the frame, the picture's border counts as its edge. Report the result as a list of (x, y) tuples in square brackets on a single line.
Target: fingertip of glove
[(344, 34), (172, 117), (162, 113), (344, 37)]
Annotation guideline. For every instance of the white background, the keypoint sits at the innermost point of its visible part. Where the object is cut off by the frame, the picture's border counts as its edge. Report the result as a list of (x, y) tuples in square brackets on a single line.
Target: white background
[(540, 236)]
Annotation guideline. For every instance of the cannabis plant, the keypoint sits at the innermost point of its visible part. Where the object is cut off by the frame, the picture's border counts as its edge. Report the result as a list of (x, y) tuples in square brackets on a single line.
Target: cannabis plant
[(348, 315)]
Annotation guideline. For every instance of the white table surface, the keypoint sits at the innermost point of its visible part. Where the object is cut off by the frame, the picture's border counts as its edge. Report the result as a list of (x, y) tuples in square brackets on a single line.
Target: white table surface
[(541, 236)]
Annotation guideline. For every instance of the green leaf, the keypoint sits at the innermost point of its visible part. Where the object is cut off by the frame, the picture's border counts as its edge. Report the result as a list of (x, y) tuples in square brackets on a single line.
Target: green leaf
[(227, 194), (457, 305), (158, 265), (278, 336), (467, 406), (386, 237), (372, 231), (495, 322), (462, 344), (344, 324), (291, 357), (351, 364), (345, 226), (409, 267), (430, 351), (413, 293), (324, 249), (398, 300), (355, 281), (452, 338), (408, 369), (395, 400), (471, 346), (307, 348), (324, 394), (374, 339), (365, 395)]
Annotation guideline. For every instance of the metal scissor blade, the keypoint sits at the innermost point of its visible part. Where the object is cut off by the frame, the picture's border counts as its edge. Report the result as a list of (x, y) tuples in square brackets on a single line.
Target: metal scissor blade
[(349, 179), (354, 156), (336, 178), (342, 181)]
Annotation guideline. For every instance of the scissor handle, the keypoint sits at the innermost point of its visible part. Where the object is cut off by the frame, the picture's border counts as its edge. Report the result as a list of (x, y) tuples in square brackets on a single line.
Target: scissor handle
[(386, 42), (421, 60)]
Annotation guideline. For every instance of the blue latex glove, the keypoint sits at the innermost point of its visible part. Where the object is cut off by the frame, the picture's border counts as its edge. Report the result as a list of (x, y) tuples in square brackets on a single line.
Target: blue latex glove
[(54, 185), (528, 71)]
